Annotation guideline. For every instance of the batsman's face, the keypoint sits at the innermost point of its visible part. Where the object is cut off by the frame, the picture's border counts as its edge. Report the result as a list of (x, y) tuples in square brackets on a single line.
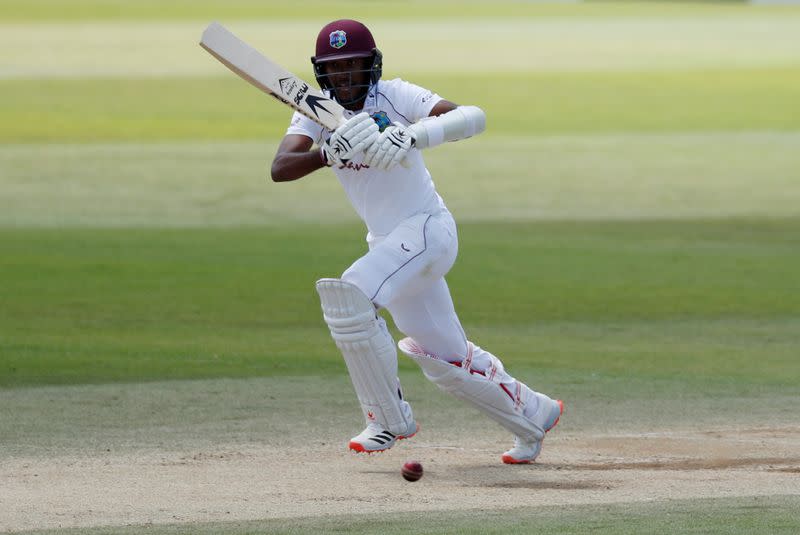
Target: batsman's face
[(349, 77)]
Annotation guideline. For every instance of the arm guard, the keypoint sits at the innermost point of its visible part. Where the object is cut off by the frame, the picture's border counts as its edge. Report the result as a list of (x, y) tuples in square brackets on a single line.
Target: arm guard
[(460, 123)]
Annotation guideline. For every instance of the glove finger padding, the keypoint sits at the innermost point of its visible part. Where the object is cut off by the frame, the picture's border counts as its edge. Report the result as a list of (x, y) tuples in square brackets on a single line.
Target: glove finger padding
[(375, 152), (352, 137), (363, 137), (397, 145), (353, 124), (401, 153), (390, 148), (372, 151)]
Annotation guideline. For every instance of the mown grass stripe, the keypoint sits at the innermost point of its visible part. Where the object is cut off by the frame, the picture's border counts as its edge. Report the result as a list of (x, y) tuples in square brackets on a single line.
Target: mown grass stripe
[(731, 516), (161, 109), (27, 10), (659, 299), (587, 177), (461, 46)]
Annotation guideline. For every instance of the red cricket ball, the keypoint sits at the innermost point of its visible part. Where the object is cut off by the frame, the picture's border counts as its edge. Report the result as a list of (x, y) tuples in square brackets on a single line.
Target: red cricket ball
[(412, 471)]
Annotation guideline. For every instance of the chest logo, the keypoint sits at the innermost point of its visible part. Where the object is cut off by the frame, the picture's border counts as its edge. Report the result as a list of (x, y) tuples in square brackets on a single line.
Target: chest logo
[(381, 119)]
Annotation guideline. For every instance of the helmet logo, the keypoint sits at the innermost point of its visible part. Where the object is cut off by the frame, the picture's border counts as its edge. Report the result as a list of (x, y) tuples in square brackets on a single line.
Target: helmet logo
[(338, 39)]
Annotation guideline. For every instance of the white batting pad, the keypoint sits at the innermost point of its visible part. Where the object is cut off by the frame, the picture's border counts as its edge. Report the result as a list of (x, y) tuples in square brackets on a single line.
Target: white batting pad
[(368, 351), (488, 390)]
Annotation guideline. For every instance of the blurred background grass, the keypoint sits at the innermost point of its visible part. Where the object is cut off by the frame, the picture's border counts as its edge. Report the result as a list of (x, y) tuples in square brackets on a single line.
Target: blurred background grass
[(141, 237), (628, 225), (693, 300), (270, 9), (189, 108)]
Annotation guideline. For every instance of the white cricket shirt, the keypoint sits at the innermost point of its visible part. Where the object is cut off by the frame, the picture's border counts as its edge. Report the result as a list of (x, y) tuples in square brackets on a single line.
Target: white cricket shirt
[(385, 198)]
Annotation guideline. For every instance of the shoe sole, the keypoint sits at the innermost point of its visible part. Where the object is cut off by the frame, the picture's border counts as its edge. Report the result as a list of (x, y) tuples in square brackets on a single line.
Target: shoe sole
[(359, 448), (508, 459)]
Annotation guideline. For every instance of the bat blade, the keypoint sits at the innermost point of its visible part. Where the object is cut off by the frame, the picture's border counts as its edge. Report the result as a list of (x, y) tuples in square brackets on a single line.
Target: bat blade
[(263, 73)]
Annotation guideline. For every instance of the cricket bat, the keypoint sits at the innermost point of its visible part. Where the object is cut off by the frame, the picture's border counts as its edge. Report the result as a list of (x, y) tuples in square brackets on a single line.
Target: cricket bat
[(270, 77)]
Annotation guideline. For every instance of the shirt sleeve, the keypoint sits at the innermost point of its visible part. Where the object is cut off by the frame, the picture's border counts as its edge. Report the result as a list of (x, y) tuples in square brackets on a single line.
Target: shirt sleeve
[(304, 126), (418, 101)]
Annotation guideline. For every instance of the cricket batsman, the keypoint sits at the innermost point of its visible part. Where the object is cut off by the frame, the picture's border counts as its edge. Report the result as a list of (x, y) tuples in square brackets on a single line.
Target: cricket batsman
[(377, 156)]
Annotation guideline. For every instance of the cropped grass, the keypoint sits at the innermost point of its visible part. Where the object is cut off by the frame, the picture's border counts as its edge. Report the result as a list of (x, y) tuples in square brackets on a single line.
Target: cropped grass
[(692, 299), (628, 234), (168, 109), (43, 10), (141, 241), (731, 516), (718, 175)]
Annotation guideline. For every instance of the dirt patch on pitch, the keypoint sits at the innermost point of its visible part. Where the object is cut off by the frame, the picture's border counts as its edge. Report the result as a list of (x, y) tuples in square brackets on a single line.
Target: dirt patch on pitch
[(248, 482)]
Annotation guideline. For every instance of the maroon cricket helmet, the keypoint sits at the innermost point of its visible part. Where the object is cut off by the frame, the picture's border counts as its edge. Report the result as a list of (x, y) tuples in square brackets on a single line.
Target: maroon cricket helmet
[(346, 39), (342, 39)]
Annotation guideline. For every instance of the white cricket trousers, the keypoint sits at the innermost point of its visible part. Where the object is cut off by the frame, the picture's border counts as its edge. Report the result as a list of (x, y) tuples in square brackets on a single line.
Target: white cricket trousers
[(404, 273)]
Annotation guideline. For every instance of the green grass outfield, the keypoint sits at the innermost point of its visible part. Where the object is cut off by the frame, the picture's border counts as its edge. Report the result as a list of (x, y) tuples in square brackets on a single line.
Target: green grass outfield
[(164, 109), (689, 299), (699, 516), (184, 9), (629, 225)]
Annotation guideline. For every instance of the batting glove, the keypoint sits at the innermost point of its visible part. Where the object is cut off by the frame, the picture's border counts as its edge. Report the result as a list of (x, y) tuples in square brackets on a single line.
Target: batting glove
[(355, 135), (391, 147)]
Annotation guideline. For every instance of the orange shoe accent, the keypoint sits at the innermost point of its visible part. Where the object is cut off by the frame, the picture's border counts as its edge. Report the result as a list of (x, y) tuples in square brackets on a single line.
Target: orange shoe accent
[(561, 411), (359, 448), (402, 437), (356, 447), (508, 459)]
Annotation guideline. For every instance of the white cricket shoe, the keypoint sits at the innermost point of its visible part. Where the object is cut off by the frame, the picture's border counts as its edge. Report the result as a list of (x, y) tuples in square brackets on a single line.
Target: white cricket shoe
[(525, 451), (375, 438)]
